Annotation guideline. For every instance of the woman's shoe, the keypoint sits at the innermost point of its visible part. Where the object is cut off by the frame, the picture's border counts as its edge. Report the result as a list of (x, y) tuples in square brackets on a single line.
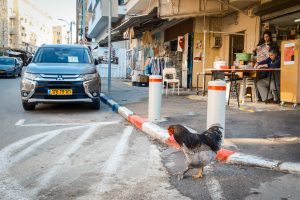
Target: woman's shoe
[(269, 101)]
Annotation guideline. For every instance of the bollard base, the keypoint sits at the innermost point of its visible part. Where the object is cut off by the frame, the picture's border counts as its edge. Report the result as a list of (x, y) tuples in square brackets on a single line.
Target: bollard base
[(140, 84)]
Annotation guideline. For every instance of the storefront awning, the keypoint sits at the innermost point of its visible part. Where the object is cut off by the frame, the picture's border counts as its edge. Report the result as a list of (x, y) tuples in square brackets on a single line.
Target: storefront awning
[(274, 6), (139, 23)]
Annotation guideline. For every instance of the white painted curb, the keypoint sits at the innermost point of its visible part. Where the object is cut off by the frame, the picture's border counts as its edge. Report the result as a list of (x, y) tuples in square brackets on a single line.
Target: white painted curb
[(111, 102), (155, 131), (290, 167), (124, 112), (162, 135), (244, 159)]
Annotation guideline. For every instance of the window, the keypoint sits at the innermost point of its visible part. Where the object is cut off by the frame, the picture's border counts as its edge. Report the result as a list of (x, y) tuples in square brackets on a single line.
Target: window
[(6, 61), (62, 55)]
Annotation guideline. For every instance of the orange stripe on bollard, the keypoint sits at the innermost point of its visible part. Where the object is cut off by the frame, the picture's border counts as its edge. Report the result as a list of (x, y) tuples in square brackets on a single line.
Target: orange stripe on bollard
[(156, 80), (216, 87)]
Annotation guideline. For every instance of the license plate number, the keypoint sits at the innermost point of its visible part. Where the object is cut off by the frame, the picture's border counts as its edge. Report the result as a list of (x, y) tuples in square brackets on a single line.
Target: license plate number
[(60, 92)]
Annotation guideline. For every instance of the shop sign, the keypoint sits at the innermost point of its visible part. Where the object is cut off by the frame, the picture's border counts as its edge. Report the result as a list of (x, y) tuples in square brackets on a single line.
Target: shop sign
[(289, 54), (180, 45)]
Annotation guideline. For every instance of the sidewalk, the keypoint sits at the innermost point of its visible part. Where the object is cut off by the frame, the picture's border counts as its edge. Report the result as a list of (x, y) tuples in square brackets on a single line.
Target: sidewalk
[(264, 135)]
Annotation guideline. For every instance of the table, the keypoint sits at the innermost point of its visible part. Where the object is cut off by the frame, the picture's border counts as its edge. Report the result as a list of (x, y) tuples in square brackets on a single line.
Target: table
[(232, 77)]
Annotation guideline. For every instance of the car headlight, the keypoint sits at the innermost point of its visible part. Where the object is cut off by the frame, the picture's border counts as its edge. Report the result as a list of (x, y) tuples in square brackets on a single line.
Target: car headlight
[(88, 77), (30, 76)]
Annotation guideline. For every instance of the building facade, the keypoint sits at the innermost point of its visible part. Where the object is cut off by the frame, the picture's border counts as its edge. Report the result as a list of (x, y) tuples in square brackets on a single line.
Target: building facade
[(24, 27), (60, 35), (98, 23), (211, 30), (82, 21)]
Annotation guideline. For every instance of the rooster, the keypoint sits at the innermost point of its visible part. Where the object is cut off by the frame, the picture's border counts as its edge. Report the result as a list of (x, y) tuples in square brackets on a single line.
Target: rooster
[(199, 149)]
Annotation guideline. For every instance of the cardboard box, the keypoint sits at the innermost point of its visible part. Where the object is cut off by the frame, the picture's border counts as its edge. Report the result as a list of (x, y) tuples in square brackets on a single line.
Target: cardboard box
[(142, 78)]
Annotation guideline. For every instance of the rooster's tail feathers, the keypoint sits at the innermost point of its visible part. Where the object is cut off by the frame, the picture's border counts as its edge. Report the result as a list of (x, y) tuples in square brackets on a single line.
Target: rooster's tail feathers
[(215, 125), (212, 137)]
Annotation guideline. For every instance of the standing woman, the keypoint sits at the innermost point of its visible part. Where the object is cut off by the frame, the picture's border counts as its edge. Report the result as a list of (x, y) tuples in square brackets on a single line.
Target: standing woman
[(263, 47)]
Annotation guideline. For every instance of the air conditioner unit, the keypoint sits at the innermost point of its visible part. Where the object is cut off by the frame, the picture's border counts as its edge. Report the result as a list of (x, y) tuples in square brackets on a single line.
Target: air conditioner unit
[(216, 42)]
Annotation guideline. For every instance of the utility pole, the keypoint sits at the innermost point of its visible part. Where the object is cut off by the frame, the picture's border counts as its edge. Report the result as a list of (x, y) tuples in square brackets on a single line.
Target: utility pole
[(3, 37), (70, 29), (109, 47), (71, 32), (83, 21)]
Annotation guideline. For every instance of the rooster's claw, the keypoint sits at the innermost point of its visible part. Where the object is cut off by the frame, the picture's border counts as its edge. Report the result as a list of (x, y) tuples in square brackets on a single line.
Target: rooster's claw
[(180, 177)]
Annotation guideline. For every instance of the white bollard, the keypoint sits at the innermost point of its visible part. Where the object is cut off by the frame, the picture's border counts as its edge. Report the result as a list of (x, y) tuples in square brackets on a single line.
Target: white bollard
[(154, 107), (216, 104)]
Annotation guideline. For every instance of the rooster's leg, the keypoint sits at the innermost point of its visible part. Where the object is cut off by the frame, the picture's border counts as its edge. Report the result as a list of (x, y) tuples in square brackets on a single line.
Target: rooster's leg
[(199, 175), (180, 176)]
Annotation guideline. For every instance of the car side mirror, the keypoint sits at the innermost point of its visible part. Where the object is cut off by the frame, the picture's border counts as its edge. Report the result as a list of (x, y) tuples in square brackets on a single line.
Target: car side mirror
[(29, 60), (96, 62)]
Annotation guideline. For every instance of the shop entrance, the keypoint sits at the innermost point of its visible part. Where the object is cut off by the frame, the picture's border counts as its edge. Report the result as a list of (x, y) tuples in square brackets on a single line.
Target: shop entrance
[(190, 59), (286, 27), (236, 45)]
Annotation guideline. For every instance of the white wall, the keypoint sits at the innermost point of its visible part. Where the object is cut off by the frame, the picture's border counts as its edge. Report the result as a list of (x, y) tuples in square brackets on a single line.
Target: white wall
[(117, 70)]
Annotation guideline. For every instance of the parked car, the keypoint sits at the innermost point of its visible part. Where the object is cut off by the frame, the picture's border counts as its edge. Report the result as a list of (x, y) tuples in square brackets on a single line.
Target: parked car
[(9, 67), (61, 74), (20, 61)]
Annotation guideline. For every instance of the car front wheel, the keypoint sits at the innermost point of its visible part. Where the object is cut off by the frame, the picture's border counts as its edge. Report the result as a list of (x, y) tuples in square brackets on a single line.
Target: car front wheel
[(96, 104), (28, 106)]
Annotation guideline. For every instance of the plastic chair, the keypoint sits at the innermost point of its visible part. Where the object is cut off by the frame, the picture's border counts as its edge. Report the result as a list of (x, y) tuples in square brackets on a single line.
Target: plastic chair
[(247, 83), (169, 76)]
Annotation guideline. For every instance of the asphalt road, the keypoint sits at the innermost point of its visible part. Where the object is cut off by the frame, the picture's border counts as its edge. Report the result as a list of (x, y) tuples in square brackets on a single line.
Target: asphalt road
[(74, 152), (223, 181)]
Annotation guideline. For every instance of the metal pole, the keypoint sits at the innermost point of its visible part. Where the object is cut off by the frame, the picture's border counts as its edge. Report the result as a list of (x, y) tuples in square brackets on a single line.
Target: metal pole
[(83, 20), (71, 32), (204, 51), (109, 48), (3, 38)]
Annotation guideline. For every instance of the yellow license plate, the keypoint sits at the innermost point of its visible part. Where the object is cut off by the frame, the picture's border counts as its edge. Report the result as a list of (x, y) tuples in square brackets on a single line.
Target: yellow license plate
[(60, 92)]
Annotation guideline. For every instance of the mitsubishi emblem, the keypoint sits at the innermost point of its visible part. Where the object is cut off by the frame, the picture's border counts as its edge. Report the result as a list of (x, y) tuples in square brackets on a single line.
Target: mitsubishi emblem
[(59, 78)]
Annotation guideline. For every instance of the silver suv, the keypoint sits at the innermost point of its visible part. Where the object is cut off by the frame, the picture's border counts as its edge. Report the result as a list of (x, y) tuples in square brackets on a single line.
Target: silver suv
[(61, 74)]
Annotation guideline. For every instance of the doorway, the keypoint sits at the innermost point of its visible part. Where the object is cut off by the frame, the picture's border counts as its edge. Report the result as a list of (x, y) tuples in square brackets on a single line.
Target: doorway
[(236, 45)]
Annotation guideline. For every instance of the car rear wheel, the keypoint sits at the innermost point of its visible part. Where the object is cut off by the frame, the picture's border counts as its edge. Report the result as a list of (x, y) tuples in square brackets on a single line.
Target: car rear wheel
[(28, 106)]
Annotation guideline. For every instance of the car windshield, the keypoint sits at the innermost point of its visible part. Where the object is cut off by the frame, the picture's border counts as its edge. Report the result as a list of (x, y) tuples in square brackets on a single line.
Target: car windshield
[(6, 61), (62, 55)]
